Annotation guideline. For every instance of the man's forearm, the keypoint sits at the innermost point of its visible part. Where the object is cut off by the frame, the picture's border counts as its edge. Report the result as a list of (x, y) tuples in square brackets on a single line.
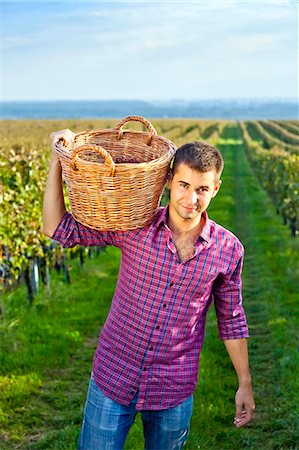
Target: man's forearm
[(54, 206), (238, 352)]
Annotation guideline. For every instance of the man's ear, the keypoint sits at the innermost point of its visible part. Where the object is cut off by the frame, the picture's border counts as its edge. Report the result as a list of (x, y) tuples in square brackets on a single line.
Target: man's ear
[(169, 178), (216, 188)]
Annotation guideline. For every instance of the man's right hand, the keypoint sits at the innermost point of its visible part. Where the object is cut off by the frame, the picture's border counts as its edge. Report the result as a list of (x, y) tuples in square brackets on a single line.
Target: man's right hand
[(67, 136)]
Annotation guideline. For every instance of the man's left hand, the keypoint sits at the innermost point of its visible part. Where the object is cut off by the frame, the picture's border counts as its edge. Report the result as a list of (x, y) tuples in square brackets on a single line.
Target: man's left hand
[(245, 406)]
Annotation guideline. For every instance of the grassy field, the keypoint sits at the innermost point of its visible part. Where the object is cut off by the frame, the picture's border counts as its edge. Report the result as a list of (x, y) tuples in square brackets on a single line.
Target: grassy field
[(46, 350)]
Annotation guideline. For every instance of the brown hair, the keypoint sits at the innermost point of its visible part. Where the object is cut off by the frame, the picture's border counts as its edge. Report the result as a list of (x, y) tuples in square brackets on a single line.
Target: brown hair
[(199, 156)]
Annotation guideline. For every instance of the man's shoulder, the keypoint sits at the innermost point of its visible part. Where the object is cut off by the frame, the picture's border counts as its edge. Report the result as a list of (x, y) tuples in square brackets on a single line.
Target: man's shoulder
[(224, 237), (157, 219), (150, 228)]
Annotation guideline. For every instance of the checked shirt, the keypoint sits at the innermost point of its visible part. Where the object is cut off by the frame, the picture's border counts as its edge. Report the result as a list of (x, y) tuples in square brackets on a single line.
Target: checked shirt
[(153, 335)]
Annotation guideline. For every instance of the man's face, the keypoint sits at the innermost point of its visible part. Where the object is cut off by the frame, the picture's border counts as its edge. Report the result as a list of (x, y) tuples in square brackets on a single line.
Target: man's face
[(191, 192)]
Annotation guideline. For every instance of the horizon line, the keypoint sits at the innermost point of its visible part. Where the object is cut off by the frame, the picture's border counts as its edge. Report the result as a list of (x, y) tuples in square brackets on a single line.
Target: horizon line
[(153, 100)]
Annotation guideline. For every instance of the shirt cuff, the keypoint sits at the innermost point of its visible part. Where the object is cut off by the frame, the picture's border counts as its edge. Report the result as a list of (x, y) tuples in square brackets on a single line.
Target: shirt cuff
[(234, 328)]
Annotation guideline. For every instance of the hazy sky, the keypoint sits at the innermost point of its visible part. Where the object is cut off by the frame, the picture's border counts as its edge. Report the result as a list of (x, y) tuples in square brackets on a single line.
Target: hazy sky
[(149, 50)]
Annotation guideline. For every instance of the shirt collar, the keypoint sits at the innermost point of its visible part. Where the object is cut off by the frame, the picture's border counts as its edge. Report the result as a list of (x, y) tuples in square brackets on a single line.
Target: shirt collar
[(205, 232)]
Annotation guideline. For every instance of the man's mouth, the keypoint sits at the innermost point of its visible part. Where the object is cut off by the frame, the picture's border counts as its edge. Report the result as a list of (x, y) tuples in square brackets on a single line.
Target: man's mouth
[(189, 208)]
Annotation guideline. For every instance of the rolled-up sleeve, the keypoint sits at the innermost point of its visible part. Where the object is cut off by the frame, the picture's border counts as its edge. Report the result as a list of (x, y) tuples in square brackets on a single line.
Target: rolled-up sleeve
[(70, 232), (227, 293)]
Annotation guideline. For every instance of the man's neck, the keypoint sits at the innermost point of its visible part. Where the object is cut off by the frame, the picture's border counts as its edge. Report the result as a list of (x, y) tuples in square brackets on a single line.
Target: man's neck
[(180, 226)]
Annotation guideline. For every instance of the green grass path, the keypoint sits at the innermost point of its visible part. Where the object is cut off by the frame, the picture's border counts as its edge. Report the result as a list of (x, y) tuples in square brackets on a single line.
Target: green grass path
[(46, 352)]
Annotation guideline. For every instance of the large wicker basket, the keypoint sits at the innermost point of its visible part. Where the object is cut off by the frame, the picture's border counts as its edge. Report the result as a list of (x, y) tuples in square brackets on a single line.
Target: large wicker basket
[(115, 177)]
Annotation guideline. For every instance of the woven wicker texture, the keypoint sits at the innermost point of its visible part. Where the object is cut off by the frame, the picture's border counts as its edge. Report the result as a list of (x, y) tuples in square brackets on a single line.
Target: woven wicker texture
[(115, 177)]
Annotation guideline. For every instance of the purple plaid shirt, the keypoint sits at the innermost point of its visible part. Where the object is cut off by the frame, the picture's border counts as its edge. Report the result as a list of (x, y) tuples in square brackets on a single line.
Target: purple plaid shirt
[(153, 335)]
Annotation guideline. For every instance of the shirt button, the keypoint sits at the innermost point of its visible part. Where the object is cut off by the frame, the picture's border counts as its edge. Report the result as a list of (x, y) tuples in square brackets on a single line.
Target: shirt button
[(164, 305), (171, 284), (151, 348), (145, 369), (158, 327)]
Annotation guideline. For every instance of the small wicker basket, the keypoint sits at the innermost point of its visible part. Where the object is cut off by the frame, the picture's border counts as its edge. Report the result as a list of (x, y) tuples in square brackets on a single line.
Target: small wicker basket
[(114, 177)]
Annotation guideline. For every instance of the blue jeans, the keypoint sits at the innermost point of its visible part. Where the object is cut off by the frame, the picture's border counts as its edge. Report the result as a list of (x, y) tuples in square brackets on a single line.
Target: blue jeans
[(107, 423)]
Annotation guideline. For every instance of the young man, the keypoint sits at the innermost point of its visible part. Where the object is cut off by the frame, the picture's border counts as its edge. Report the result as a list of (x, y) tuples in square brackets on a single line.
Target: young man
[(170, 272)]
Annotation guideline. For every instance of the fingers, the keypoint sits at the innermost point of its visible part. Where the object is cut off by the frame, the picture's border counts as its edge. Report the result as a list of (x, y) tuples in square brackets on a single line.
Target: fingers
[(67, 136), (245, 406), (243, 417)]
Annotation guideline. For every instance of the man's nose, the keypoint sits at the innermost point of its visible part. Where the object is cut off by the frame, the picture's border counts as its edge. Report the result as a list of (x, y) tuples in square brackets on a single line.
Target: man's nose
[(192, 197)]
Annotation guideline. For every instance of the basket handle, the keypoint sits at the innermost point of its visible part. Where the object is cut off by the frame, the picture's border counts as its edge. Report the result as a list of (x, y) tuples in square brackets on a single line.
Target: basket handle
[(147, 123), (96, 148)]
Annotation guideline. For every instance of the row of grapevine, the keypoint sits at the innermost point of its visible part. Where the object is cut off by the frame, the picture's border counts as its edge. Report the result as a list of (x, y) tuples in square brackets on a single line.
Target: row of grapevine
[(210, 130), (24, 251), (279, 132), (278, 172), (267, 140), (289, 126)]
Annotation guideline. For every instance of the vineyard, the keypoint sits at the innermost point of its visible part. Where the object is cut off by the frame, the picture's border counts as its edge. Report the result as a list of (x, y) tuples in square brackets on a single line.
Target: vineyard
[(259, 201), (272, 149)]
